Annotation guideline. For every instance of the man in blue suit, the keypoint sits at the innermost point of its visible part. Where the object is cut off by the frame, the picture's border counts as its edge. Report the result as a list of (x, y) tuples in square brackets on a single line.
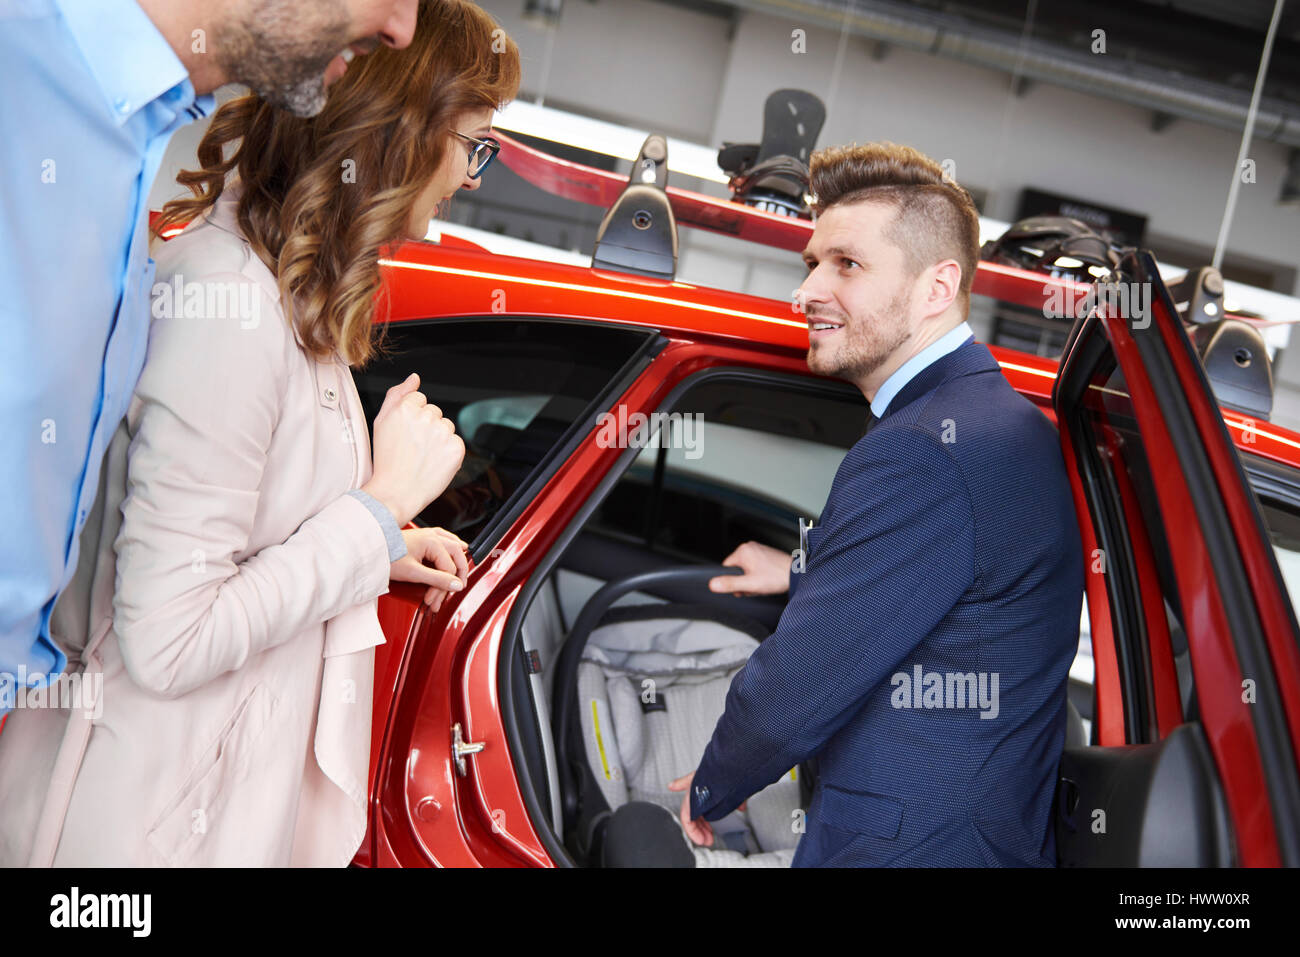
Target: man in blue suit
[(924, 652)]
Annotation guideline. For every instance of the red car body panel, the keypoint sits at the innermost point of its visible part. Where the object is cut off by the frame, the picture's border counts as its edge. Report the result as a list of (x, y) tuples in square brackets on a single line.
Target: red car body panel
[(1272, 605)]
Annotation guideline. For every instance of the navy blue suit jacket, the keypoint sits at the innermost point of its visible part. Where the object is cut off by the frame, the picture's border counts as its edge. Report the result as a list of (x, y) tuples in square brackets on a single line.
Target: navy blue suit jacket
[(924, 652)]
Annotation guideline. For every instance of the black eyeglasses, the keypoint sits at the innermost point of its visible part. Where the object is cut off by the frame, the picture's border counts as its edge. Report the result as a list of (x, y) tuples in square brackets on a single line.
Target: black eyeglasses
[(481, 155)]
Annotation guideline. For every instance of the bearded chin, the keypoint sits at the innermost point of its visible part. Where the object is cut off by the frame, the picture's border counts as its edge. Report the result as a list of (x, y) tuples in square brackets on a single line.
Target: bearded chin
[(303, 98), (825, 362), (281, 58), (852, 368), (855, 361)]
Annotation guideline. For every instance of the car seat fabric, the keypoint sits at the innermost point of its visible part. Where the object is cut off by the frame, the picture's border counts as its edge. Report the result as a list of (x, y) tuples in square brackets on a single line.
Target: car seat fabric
[(651, 687)]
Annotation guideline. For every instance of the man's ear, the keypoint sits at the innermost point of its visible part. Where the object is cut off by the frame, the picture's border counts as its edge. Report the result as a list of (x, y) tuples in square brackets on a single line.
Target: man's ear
[(942, 288)]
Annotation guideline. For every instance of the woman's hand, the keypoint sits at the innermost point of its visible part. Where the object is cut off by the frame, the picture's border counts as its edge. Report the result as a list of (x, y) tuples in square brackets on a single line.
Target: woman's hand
[(447, 552), (416, 451)]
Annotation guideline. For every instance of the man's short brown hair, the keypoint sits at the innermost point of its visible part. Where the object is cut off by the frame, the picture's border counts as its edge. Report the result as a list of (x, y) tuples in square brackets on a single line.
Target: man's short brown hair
[(935, 218)]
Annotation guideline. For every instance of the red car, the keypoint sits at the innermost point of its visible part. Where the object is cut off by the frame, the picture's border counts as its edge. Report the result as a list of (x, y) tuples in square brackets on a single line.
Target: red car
[(1190, 516)]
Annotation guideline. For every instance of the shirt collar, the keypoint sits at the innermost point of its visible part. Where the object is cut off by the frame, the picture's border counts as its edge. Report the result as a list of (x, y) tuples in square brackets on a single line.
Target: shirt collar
[(224, 213), (946, 343), (131, 61)]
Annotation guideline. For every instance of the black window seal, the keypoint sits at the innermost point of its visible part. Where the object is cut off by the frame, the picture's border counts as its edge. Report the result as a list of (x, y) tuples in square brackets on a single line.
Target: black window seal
[(1272, 480)]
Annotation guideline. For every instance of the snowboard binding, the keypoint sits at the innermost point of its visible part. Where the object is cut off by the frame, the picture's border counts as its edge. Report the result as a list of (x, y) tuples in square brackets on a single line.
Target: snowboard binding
[(773, 175)]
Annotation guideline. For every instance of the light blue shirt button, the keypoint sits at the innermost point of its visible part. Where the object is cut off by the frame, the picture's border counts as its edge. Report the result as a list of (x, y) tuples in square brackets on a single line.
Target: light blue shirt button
[(122, 105)]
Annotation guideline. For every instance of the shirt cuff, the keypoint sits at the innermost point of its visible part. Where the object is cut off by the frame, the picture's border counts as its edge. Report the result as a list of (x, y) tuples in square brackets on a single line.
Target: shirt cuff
[(392, 534)]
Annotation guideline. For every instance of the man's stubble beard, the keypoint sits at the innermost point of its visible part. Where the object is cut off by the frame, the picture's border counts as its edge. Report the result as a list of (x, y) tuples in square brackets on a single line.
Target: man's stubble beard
[(869, 341), (281, 57)]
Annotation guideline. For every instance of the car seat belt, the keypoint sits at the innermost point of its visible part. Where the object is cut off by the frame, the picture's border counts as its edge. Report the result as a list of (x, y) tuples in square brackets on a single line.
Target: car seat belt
[(734, 833)]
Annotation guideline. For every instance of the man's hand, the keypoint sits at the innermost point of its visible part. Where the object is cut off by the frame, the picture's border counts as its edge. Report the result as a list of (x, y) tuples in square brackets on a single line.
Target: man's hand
[(766, 571), (700, 832), (445, 551)]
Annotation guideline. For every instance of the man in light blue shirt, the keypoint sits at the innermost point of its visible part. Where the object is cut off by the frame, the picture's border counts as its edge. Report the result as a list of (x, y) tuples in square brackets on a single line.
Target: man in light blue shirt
[(90, 93)]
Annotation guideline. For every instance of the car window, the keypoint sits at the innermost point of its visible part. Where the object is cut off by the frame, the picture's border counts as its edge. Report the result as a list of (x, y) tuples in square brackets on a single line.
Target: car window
[(516, 389), (736, 461), (1130, 523), (1283, 524)]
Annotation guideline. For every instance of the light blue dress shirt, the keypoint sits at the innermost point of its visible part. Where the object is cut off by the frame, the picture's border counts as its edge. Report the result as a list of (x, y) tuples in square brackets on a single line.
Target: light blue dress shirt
[(904, 374), (90, 93)]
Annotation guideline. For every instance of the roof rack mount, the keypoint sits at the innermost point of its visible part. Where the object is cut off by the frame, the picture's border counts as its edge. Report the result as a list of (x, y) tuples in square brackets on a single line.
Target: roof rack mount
[(639, 232)]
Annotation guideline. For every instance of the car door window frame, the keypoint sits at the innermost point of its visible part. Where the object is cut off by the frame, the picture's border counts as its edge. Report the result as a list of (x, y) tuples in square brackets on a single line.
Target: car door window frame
[(1226, 633)]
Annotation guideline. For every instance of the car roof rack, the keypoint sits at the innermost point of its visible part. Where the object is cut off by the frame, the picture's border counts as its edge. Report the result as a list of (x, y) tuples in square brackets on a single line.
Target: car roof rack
[(1232, 352), (598, 187), (639, 232)]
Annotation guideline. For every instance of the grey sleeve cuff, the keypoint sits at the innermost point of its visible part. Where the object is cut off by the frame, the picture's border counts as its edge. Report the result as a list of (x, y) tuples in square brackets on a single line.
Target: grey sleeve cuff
[(392, 534)]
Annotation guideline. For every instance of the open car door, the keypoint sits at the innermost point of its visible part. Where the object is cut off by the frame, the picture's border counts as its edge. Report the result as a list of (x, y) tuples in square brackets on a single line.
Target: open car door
[(1197, 712)]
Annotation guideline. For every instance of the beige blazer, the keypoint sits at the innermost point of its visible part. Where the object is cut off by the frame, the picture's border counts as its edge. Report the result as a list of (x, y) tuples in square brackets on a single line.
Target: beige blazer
[(226, 595)]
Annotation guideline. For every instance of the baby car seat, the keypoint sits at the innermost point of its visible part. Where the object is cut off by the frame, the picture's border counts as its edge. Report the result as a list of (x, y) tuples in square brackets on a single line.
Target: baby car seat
[(639, 689)]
